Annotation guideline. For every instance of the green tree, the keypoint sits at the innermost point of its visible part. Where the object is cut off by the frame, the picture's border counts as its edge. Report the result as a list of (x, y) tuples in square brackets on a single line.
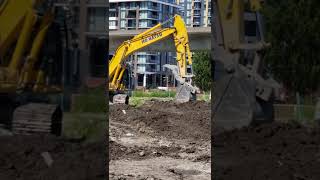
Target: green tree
[(202, 69), (293, 29)]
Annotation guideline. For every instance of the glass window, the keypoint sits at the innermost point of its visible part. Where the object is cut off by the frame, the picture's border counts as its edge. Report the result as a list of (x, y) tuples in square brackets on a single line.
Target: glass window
[(142, 59), (144, 5), (141, 68), (112, 23), (123, 23), (143, 14), (143, 24), (123, 6), (123, 14), (188, 13), (189, 6), (188, 21), (132, 4)]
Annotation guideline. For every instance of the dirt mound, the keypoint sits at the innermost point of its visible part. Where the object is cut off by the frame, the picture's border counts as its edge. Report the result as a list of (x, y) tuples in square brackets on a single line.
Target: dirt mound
[(20, 158), (160, 140), (272, 151), (118, 151), (181, 121)]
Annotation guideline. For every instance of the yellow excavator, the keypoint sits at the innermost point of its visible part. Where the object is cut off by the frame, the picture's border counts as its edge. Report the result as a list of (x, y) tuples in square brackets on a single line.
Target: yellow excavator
[(243, 91), (182, 72), (30, 67)]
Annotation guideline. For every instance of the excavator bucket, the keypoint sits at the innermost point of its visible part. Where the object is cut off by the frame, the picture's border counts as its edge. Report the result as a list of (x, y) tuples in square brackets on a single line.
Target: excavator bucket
[(236, 104), (234, 101), (184, 94), (185, 91)]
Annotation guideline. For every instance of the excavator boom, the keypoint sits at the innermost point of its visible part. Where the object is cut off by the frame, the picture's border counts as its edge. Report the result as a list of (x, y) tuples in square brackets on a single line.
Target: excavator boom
[(178, 32)]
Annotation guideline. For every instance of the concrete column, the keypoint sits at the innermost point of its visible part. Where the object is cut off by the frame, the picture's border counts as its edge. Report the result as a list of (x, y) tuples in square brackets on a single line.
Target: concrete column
[(84, 70), (144, 80), (119, 17), (192, 9), (82, 24), (137, 18), (154, 79), (206, 13), (135, 69), (202, 11)]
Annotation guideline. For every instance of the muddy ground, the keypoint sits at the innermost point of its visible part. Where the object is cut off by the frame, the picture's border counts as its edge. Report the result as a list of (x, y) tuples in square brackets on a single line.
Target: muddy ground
[(21, 159), (160, 140), (268, 152)]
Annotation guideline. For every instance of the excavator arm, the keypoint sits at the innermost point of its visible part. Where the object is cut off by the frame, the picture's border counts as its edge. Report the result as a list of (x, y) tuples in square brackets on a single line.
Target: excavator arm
[(178, 32), (243, 95), (19, 31), (25, 77)]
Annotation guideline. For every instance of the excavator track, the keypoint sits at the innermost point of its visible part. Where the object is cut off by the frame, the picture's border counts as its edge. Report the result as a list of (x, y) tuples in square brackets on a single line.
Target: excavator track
[(37, 118)]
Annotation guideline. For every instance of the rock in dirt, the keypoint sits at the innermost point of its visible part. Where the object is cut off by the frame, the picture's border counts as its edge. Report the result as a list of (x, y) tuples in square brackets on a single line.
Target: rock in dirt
[(47, 158), (141, 153)]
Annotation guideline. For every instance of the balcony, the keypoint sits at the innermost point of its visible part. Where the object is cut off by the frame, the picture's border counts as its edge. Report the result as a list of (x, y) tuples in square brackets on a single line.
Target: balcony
[(97, 2), (113, 27), (197, 14), (196, 22), (113, 18)]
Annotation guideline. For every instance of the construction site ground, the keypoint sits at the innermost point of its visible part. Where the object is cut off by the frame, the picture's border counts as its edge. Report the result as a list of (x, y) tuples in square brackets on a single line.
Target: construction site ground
[(79, 154), (274, 151), (160, 140)]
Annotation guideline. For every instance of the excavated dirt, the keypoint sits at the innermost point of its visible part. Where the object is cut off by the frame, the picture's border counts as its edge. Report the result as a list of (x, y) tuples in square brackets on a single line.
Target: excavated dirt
[(160, 140), (272, 151), (21, 159)]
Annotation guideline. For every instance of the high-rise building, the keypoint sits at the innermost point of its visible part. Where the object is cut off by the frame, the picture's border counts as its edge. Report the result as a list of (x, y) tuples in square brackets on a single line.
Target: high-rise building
[(87, 24), (147, 67), (196, 13)]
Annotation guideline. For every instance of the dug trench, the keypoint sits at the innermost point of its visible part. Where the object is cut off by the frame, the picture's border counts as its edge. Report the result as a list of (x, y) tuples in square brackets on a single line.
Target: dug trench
[(160, 140)]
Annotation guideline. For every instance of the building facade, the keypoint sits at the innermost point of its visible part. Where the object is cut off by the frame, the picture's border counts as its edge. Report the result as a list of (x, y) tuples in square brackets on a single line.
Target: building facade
[(147, 67), (196, 13), (87, 25)]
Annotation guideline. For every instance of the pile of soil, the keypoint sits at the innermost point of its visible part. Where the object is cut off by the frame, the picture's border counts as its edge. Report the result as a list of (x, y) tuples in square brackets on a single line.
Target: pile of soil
[(189, 120), (118, 151), (20, 158), (271, 151), (160, 140)]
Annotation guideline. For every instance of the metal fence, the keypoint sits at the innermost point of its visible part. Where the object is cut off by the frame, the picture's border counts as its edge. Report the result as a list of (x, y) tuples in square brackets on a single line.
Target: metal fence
[(290, 112)]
